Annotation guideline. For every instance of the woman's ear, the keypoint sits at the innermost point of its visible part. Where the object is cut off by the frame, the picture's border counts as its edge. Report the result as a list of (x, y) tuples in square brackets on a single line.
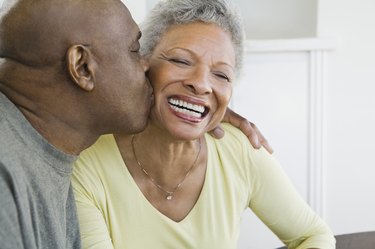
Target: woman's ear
[(81, 67)]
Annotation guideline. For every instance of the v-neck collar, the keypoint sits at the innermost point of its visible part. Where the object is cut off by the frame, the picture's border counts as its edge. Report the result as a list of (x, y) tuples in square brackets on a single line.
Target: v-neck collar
[(142, 198)]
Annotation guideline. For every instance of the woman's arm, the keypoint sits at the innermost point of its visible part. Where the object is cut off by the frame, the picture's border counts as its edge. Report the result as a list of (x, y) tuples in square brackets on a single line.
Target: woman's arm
[(276, 202), (93, 228)]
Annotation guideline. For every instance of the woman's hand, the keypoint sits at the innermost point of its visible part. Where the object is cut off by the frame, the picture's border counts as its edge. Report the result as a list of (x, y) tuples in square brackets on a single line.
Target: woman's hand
[(249, 129)]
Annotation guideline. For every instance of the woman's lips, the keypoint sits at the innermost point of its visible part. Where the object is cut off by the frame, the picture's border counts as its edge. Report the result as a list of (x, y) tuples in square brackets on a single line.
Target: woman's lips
[(195, 112)]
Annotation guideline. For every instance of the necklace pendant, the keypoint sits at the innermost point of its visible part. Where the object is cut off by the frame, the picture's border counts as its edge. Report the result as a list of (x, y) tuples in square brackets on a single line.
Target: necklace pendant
[(169, 197)]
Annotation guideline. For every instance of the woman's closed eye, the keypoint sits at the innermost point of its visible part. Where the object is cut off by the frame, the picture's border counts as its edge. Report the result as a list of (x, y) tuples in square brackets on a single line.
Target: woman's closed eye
[(222, 76), (180, 61)]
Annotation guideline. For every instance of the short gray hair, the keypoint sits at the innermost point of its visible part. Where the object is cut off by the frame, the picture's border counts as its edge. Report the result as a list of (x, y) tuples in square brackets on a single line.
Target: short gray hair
[(174, 12)]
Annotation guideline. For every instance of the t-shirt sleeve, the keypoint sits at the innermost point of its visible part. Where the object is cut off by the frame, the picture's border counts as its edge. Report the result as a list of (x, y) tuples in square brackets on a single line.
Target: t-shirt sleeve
[(10, 232), (93, 228), (277, 203)]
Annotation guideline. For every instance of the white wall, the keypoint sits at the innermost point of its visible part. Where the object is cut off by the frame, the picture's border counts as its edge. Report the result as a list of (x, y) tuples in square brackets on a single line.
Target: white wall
[(274, 19), (278, 103), (290, 18), (350, 114), (137, 8), (150, 4)]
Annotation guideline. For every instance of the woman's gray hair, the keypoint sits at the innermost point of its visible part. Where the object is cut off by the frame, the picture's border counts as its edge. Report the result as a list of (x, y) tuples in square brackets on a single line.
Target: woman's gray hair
[(174, 12)]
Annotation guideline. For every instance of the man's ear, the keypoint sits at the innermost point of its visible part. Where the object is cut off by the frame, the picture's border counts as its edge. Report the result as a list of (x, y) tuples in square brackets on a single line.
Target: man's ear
[(81, 67)]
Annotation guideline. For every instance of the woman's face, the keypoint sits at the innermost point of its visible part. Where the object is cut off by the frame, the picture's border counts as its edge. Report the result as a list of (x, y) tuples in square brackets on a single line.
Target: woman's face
[(191, 71)]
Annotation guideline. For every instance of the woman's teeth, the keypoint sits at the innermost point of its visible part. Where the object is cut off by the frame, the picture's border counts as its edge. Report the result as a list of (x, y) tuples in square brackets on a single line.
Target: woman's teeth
[(187, 108)]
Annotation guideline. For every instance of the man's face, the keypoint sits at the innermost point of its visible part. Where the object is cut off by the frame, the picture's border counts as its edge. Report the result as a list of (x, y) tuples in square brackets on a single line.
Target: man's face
[(127, 92)]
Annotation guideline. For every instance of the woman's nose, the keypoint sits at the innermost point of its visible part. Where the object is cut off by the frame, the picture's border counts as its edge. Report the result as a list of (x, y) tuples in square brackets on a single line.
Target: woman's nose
[(199, 83)]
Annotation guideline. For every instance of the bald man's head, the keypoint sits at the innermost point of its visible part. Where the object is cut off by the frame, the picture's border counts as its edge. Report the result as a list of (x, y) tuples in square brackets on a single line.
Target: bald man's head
[(38, 32), (76, 59)]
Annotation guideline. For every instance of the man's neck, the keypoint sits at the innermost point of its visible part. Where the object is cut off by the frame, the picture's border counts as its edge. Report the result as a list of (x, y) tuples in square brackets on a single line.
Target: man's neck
[(63, 126), (63, 135)]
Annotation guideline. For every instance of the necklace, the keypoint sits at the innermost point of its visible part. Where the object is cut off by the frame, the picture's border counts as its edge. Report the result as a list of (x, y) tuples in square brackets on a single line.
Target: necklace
[(169, 194)]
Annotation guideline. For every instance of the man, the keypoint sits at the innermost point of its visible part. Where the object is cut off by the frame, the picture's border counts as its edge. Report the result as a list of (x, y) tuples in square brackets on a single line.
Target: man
[(69, 72)]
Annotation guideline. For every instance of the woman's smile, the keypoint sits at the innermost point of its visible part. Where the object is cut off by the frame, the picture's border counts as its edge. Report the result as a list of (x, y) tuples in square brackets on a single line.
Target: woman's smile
[(189, 110)]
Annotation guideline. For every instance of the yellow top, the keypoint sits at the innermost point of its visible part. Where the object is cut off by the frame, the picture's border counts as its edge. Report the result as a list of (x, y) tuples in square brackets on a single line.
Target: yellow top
[(113, 212)]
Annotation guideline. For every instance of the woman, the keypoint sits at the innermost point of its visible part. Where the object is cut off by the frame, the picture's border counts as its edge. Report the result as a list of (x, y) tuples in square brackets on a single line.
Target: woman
[(173, 186)]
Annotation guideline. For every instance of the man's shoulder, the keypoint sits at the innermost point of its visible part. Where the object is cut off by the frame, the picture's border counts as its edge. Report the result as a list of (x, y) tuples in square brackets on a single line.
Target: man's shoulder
[(12, 149), (10, 235), (7, 183), (10, 163), (9, 137), (7, 126), (14, 131), (5, 106), (12, 120)]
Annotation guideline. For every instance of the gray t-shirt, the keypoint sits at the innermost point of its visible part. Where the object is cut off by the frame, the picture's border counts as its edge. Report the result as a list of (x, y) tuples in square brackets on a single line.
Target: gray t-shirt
[(37, 208)]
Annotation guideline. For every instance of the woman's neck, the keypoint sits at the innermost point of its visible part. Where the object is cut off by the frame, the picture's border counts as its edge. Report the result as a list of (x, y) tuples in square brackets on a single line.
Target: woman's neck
[(162, 154)]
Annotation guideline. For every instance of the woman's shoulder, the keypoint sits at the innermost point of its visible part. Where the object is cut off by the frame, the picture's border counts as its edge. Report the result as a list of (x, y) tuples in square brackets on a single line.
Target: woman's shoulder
[(96, 167), (103, 144), (234, 146), (102, 153), (233, 138), (232, 130), (237, 145)]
